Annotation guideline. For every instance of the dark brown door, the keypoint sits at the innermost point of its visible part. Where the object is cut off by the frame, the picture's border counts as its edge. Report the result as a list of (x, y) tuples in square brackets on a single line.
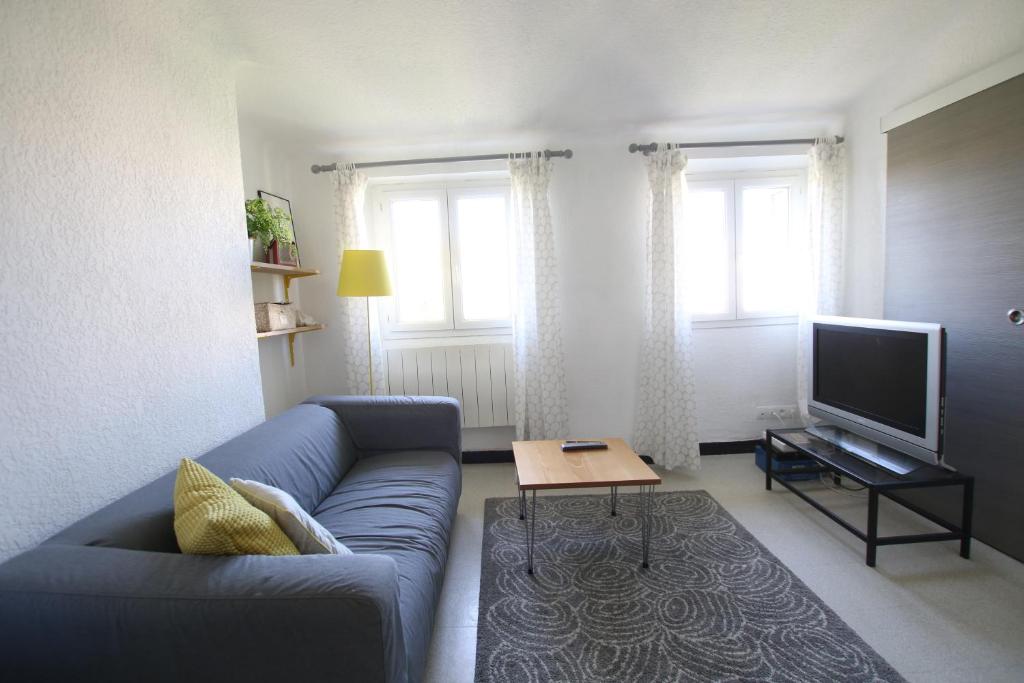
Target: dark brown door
[(955, 255)]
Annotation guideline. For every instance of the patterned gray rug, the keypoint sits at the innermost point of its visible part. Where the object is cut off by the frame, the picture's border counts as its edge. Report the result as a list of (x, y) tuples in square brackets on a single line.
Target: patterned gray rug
[(715, 605)]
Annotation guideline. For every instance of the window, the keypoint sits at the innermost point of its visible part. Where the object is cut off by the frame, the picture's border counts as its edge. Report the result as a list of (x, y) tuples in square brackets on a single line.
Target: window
[(450, 260), (741, 263)]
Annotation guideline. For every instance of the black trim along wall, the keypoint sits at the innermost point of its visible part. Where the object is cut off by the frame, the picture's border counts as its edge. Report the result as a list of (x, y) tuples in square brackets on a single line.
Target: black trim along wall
[(706, 448)]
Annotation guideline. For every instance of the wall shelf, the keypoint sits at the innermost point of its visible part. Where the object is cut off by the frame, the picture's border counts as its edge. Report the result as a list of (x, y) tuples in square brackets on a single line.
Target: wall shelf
[(276, 269), (289, 331), (289, 273)]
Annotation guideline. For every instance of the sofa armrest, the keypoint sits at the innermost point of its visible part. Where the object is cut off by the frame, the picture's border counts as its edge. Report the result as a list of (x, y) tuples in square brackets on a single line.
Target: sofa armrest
[(391, 423), (93, 613)]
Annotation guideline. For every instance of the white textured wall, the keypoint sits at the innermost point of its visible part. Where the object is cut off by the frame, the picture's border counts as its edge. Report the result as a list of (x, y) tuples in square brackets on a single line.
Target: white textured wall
[(265, 167), (127, 338), (993, 30)]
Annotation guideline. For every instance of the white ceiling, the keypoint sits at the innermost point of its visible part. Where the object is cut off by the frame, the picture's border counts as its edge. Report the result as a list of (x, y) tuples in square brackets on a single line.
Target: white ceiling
[(406, 71)]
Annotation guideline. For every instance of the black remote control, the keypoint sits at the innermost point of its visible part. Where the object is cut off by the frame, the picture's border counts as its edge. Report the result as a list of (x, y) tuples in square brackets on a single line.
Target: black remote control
[(584, 445)]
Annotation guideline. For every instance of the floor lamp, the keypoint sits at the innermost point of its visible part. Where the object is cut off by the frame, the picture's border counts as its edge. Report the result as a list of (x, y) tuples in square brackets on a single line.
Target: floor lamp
[(364, 272)]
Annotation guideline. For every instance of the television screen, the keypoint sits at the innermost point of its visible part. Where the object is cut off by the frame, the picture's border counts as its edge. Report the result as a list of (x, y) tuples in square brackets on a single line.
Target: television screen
[(881, 375)]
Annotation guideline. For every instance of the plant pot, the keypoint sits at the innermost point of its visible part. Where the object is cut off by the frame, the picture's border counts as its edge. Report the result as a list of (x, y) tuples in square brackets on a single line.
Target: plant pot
[(259, 254)]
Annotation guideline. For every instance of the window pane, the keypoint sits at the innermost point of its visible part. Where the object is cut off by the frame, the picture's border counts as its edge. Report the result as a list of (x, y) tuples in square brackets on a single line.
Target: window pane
[(419, 254), (708, 278), (483, 257), (765, 260)]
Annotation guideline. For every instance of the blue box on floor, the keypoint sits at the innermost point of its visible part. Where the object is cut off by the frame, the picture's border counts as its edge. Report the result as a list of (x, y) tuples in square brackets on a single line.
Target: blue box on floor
[(789, 468)]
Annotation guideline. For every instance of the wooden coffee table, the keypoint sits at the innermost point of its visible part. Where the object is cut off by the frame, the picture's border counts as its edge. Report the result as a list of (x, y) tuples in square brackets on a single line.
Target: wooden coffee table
[(543, 465)]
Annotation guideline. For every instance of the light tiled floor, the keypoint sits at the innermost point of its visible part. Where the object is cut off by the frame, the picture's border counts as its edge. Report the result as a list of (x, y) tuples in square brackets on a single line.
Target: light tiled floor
[(933, 615)]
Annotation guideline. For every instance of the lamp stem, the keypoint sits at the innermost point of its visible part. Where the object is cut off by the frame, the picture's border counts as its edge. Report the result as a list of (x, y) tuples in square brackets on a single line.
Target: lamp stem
[(369, 346)]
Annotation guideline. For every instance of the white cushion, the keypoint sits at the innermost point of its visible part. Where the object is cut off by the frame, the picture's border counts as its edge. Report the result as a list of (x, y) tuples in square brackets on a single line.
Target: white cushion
[(308, 535)]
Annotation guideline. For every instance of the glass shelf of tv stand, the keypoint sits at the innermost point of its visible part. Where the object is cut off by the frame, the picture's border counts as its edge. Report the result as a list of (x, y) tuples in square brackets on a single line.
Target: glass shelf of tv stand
[(834, 458)]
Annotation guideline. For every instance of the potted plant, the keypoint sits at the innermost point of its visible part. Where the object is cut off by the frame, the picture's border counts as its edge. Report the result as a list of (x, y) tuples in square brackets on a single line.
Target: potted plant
[(267, 225)]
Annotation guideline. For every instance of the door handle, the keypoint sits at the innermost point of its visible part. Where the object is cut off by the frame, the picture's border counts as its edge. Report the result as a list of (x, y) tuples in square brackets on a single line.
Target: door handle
[(1016, 316)]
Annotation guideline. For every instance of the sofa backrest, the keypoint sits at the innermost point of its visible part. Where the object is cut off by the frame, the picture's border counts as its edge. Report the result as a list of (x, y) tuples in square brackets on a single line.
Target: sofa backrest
[(304, 451)]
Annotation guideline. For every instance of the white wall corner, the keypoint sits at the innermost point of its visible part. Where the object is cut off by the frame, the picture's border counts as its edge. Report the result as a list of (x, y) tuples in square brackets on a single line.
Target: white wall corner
[(965, 87)]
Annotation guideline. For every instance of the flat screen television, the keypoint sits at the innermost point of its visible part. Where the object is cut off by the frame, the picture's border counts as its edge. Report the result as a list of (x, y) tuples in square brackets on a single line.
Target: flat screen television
[(882, 380)]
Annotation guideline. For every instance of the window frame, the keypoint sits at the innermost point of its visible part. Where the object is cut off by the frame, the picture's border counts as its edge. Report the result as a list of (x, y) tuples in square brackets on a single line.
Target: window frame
[(445, 187), (475, 189), (796, 180), (389, 305), (728, 187)]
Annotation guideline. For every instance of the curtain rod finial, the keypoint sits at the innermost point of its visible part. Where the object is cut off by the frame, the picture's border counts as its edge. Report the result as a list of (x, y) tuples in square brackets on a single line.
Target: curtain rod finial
[(568, 154), (633, 147)]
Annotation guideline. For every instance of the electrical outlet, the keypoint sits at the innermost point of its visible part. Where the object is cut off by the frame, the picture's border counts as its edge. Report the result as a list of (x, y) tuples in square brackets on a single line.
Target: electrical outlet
[(776, 412)]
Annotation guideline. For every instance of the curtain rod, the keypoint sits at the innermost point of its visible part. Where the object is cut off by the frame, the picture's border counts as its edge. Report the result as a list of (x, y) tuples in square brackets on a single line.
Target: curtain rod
[(653, 147), (548, 153)]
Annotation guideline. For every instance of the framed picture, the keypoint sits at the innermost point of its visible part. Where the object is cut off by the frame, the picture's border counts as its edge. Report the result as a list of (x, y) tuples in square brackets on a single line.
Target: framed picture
[(282, 255)]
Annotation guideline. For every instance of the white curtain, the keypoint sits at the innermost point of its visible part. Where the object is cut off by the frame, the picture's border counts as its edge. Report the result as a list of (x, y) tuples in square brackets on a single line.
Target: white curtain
[(821, 250), (666, 407), (350, 223), (541, 401)]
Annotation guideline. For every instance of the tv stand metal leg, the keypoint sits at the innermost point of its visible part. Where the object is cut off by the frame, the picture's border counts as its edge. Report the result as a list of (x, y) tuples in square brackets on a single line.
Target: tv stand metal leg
[(872, 526), (768, 451), (965, 519)]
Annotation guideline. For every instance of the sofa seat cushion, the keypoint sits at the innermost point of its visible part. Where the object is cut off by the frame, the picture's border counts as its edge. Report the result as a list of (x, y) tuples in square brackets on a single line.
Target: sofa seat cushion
[(402, 505)]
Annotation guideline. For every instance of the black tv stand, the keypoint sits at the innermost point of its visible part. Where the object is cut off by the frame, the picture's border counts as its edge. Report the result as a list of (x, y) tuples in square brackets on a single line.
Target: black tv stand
[(877, 454), (834, 460)]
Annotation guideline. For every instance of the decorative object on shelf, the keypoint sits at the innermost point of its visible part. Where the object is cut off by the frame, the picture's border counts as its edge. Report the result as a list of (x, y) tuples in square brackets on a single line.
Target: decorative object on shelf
[(286, 249), (287, 255), (267, 224), (303, 319), (364, 272), (273, 316)]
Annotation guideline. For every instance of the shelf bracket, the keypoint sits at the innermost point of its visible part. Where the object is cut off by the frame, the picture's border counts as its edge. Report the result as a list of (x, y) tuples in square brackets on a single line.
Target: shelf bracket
[(291, 348), (287, 282)]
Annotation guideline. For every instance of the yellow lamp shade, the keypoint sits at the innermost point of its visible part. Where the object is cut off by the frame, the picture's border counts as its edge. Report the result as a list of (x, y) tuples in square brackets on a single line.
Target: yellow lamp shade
[(364, 272)]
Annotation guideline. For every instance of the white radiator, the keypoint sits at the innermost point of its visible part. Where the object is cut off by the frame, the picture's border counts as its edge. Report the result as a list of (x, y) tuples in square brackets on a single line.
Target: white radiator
[(478, 375)]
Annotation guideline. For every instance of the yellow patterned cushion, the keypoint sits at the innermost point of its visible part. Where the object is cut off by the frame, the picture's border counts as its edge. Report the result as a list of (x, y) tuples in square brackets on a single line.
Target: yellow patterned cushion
[(210, 518)]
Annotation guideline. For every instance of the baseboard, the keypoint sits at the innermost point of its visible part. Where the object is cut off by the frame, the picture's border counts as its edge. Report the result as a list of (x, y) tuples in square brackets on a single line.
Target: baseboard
[(706, 448), (727, 447), (486, 457)]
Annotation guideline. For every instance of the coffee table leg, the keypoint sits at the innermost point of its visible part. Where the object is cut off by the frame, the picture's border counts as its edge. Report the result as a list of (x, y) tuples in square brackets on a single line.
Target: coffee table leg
[(615, 498), (645, 522), (531, 530), (522, 504)]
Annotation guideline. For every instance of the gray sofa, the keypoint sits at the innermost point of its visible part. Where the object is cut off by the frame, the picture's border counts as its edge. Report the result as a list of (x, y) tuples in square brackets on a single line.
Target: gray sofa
[(112, 598)]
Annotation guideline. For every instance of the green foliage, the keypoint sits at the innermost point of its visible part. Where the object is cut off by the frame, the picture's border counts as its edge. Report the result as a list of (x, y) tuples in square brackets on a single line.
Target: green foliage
[(267, 225)]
